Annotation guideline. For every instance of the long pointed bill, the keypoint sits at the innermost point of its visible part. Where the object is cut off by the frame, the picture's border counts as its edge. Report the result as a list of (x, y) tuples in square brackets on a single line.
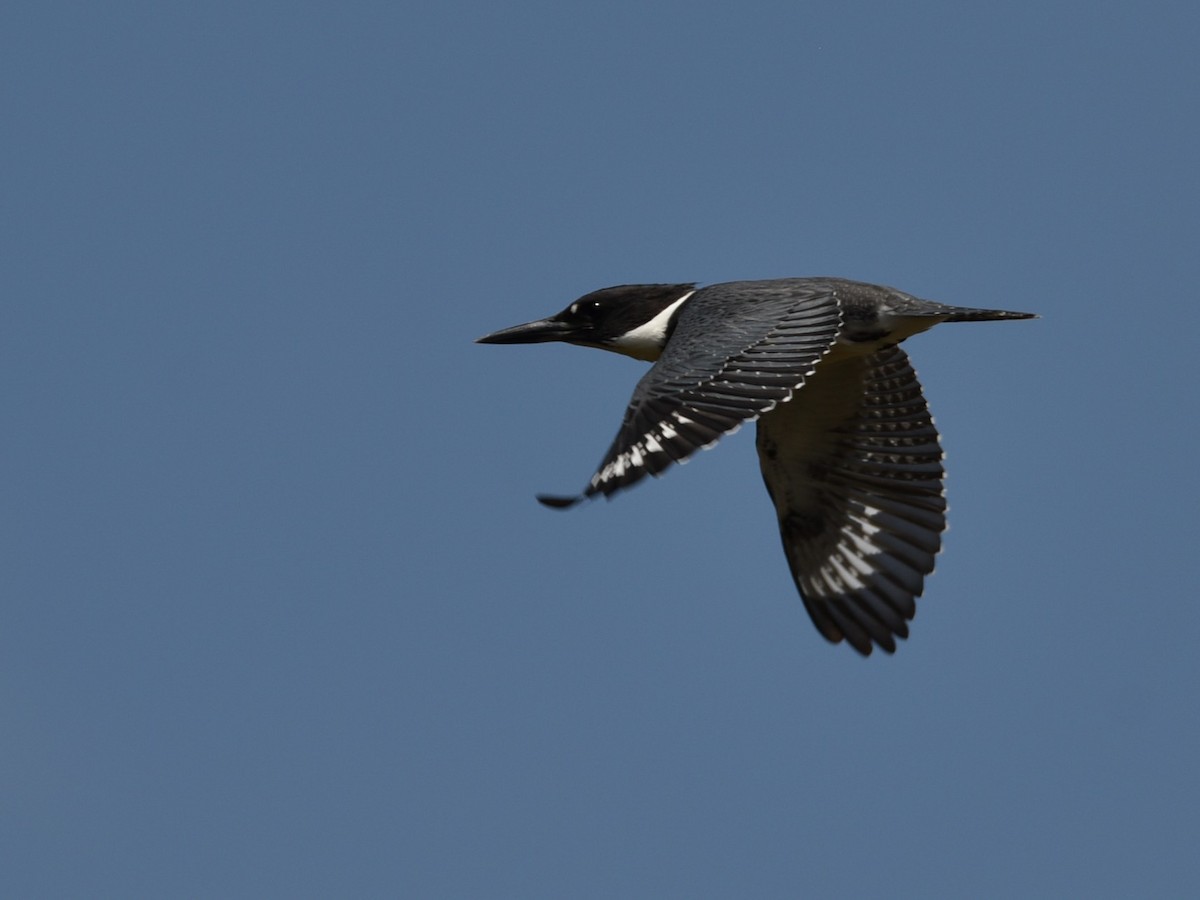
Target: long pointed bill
[(530, 333)]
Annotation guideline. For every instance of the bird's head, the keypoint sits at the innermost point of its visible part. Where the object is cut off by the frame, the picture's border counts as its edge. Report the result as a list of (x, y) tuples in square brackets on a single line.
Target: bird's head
[(632, 319)]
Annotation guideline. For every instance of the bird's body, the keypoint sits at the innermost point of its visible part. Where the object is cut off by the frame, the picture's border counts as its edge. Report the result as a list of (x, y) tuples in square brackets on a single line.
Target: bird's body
[(848, 450)]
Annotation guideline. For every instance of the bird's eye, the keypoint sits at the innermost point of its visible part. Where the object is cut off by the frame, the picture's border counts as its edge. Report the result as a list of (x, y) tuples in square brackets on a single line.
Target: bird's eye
[(584, 309)]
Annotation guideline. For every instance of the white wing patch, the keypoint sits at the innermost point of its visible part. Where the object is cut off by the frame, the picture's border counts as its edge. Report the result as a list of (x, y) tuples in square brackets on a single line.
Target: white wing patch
[(651, 451), (848, 565)]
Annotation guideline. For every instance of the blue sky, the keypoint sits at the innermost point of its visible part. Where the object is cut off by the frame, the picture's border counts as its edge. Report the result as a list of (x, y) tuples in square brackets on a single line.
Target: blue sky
[(280, 615)]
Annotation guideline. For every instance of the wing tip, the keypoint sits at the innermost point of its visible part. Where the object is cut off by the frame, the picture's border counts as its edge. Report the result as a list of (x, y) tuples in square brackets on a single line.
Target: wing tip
[(552, 501)]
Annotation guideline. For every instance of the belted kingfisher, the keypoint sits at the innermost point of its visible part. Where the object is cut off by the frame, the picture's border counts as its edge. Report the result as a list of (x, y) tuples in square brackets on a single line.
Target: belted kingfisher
[(848, 449)]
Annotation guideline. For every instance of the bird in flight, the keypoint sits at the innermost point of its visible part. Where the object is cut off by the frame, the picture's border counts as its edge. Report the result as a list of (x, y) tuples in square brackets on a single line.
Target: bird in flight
[(848, 449)]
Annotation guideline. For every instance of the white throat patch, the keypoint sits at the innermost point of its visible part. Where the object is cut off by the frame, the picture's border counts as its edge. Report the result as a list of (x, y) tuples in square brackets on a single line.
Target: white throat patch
[(646, 341)]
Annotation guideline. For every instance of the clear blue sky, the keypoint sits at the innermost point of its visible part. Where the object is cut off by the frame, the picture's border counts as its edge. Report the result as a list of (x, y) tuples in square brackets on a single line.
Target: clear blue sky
[(280, 616)]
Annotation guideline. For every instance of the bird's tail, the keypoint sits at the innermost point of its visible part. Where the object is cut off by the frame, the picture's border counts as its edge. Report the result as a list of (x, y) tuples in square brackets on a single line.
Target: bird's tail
[(966, 314)]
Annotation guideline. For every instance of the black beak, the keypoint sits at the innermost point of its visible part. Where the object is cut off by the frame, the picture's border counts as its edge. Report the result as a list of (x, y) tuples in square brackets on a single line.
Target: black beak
[(531, 333)]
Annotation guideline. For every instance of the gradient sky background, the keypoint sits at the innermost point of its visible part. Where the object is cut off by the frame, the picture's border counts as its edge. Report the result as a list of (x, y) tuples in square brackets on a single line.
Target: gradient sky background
[(280, 616)]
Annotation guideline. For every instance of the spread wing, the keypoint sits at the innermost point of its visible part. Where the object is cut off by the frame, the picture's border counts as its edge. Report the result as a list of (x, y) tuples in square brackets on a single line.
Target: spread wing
[(735, 353), (854, 467)]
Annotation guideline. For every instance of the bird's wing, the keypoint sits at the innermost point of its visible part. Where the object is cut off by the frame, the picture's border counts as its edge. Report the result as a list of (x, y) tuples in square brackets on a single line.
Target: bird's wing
[(731, 358), (854, 468)]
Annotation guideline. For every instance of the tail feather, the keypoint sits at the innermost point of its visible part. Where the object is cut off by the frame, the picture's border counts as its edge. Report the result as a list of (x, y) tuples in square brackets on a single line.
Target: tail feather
[(965, 314)]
